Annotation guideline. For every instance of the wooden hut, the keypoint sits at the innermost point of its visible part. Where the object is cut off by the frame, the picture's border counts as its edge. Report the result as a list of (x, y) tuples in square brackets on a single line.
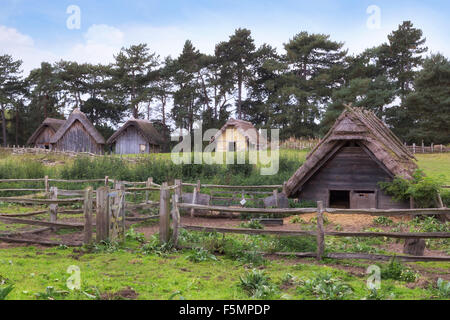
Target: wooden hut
[(238, 135), (343, 169), (136, 136), (42, 135), (78, 134)]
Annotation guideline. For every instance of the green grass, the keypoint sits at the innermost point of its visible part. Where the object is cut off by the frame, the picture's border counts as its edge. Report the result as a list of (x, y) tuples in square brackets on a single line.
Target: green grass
[(435, 165), (32, 270)]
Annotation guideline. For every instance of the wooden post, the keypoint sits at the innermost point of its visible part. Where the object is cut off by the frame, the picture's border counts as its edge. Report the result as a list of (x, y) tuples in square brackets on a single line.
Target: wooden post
[(53, 206), (178, 190), (175, 220), (414, 148), (423, 147), (164, 211), (102, 217), (87, 208), (148, 184), (46, 184), (106, 181), (284, 188), (198, 186), (432, 148), (320, 231), (194, 200), (275, 195), (411, 202)]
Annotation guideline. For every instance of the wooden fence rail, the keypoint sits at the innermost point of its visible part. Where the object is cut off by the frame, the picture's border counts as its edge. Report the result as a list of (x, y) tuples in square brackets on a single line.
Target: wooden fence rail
[(320, 233)]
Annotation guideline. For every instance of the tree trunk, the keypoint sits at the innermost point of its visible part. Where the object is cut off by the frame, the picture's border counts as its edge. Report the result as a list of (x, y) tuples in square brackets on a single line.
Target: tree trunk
[(239, 96), (2, 111)]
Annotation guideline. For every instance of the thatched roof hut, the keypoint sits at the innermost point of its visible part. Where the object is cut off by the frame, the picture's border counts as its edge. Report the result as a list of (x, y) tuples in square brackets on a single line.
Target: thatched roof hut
[(136, 136), (42, 135), (344, 168), (78, 134), (238, 135)]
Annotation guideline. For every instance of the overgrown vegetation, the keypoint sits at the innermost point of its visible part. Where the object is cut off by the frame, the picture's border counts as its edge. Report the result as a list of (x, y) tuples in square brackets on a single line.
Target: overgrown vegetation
[(397, 271), (424, 190), (257, 284)]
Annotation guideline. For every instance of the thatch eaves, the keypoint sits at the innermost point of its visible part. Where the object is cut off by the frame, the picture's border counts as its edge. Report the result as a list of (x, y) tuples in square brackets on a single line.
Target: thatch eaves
[(52, 123), (77, 115), (146, 129), (370, 133), (246, 129)]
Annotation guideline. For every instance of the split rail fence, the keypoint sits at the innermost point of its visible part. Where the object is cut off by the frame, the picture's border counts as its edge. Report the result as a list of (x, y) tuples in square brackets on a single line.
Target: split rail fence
[(104, 209), (174, 214)]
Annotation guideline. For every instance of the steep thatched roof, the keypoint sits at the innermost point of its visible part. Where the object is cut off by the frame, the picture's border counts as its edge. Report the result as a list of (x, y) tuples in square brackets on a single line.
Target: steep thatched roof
[(370, 133), (245, 128), (52, 123), (146, 129), (77, 115)]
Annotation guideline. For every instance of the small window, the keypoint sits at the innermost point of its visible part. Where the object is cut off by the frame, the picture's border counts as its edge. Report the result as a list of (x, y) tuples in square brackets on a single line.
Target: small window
[(231, 146), (142, 148)]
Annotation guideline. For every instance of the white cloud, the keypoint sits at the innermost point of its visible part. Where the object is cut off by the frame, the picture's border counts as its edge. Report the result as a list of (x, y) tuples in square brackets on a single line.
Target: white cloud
[(22, 47)]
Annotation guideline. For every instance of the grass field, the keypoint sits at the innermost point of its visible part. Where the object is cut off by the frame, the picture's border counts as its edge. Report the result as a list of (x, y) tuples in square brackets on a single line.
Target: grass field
[(143, 270)]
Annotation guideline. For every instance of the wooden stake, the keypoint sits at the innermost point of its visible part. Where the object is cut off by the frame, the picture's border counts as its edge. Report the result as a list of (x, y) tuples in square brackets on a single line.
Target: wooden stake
[(175, 219), (46, 184), (164, 225), (102, 217), (320, 231), (275, 195), (178, 190), (53, 207), (87, 208)]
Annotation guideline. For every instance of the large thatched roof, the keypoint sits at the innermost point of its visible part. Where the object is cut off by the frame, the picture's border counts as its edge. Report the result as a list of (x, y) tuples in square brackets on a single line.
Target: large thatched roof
[(245, 128), (146, 129), (52, 123), (370, 133), (77, 115)]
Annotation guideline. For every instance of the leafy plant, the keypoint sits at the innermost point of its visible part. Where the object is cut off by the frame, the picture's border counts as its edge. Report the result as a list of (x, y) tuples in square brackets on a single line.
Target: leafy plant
[(156, 247), (50, 294), (257, 284), (200, 255), (252, 224), (324, 286), (443, 288), (383, 221), (397, 271), (131, 234), (424, 190), (4, 291)]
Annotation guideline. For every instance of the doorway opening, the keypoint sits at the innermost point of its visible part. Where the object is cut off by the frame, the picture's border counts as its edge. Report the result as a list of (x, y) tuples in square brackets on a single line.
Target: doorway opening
[(340, 199)]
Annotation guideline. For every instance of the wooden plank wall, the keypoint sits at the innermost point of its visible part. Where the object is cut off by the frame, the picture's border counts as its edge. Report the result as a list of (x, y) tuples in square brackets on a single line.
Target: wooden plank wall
[(77, 139), (350, 169)]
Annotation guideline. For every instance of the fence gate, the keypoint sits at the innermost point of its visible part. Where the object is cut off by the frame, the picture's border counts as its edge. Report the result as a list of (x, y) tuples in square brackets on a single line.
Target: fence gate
[(111, 214)]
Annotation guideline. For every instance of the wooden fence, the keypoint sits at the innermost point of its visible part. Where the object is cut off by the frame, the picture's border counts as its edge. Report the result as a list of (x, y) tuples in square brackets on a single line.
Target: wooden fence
[(320, 233), (432, 148), (109, 210)]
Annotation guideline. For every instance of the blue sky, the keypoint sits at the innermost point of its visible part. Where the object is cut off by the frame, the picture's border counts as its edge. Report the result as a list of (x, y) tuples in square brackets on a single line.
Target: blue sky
[(36, 31)]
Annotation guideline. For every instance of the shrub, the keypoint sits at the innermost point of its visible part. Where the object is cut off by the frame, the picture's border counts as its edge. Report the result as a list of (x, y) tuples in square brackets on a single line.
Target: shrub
[(131, 234), (154, 246), (423, 189), (443, 288), (257, 284), (200, 255), (252, 224), (324, 286), (383, 221), (397, 271)]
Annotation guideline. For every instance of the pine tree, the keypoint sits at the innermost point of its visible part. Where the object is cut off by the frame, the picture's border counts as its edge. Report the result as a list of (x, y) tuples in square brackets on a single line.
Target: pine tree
[(429, 105)]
